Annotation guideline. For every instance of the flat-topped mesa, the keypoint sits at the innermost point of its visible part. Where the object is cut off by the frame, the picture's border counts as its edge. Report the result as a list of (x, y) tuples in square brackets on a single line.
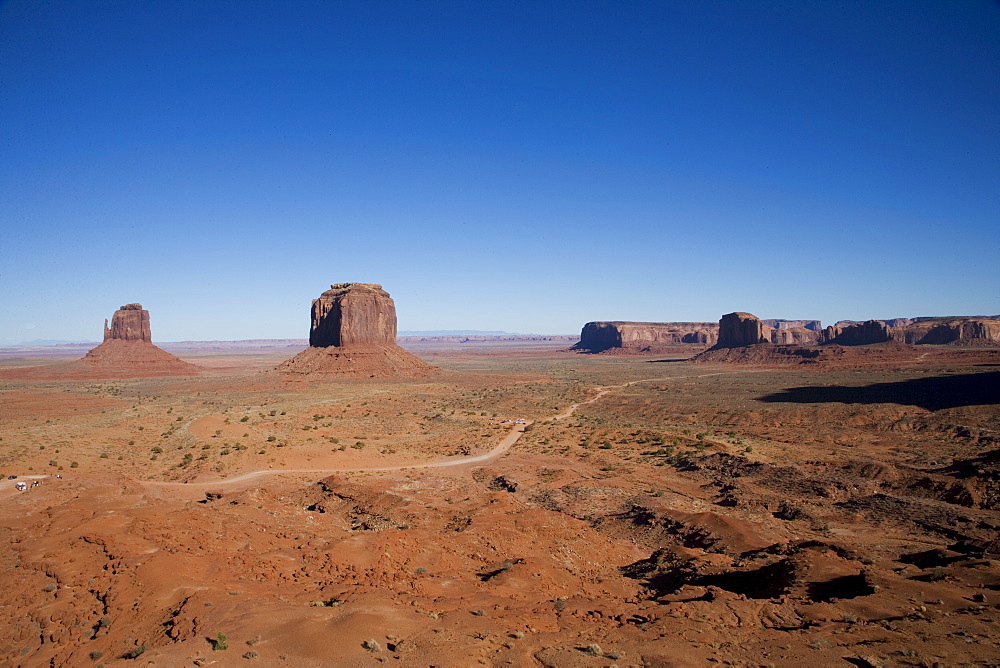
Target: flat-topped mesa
[(353, 313), (129, 323), (353, 335), (646, 337), (739, 329), (860, 334), (812, 325)]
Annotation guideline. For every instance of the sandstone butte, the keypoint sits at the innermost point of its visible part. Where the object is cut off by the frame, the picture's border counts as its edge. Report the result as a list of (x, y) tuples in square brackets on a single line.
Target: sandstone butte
[(644, 337), (353, 334), (127, 352), (745, 338), (128, 348)]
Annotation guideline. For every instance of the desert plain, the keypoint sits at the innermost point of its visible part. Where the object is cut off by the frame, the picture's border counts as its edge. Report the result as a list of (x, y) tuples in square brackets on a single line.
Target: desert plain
[(523, 505)]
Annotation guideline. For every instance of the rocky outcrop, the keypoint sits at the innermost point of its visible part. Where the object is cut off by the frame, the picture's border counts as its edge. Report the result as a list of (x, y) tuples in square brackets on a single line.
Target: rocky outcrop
[(949, 331), (128, 351), (741, 329), (812, 325), (865, 333), (644, 337), (793, 336), (353, 334), (353, 313), (129, 323)]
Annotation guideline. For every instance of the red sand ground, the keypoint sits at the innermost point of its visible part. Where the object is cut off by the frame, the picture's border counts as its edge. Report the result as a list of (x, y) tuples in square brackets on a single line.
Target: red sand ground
[(688, 515)]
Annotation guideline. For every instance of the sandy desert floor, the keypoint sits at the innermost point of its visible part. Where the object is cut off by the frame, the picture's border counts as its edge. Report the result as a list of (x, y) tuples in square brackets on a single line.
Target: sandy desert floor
[(679, 514)]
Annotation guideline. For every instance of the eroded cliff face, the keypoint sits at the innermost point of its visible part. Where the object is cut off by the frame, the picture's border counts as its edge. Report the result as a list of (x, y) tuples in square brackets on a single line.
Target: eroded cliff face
[(353, 313), (860, 334), (129, 323), (128, 351), (644, 336), (976, 330), (812, 325), (353, 335), (955, 331), (739, 329)]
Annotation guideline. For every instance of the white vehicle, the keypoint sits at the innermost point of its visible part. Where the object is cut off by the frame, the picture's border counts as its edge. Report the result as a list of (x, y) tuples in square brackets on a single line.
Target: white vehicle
[(21, 486)]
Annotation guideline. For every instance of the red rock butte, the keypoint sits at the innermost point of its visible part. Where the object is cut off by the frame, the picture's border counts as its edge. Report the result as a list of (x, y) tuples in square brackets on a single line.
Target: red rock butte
[(127, 352), (128, 348), (353, 334)]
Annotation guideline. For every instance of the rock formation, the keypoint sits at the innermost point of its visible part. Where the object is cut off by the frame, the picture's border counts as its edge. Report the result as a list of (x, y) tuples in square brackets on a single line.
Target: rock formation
[(644, 337), (127, 352), (353, 333), (950, 330), (812, 325), (872, 331), (129, 323), (741, 329), (353, 313)]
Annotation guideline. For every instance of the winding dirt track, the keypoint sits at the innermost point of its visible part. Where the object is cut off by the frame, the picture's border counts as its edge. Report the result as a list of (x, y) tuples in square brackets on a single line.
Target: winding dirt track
[(502, 447)]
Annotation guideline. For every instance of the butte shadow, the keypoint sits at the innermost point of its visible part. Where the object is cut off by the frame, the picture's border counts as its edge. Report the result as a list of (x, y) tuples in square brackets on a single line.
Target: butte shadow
[(353, 335), (933, 394)]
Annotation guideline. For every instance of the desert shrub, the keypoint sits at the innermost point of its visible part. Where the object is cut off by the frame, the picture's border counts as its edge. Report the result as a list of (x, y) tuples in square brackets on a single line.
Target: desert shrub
[(372, 645), (135, 652), (220, 643), (272, 439), (244, 419), (593, 649), (95, 655)]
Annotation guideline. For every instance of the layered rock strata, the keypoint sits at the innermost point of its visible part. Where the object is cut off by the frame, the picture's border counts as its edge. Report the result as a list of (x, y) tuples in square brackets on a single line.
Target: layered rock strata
[(739, 329), (128, 349), (872, 331), (813, 325), (645, 337), (353, 313), (129, 323), (353, 334)]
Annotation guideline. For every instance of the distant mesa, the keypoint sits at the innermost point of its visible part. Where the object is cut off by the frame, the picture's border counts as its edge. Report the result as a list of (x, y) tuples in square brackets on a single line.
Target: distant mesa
[(644, 337), (353, 334), (860, 334), (745, 338)]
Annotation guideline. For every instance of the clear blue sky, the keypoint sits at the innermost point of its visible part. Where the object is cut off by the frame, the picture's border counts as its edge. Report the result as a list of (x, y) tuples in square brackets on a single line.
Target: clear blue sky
[(518, 166)]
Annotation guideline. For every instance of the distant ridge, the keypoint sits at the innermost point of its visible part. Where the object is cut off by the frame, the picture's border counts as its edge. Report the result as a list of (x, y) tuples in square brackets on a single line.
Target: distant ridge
[(454, 332)]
